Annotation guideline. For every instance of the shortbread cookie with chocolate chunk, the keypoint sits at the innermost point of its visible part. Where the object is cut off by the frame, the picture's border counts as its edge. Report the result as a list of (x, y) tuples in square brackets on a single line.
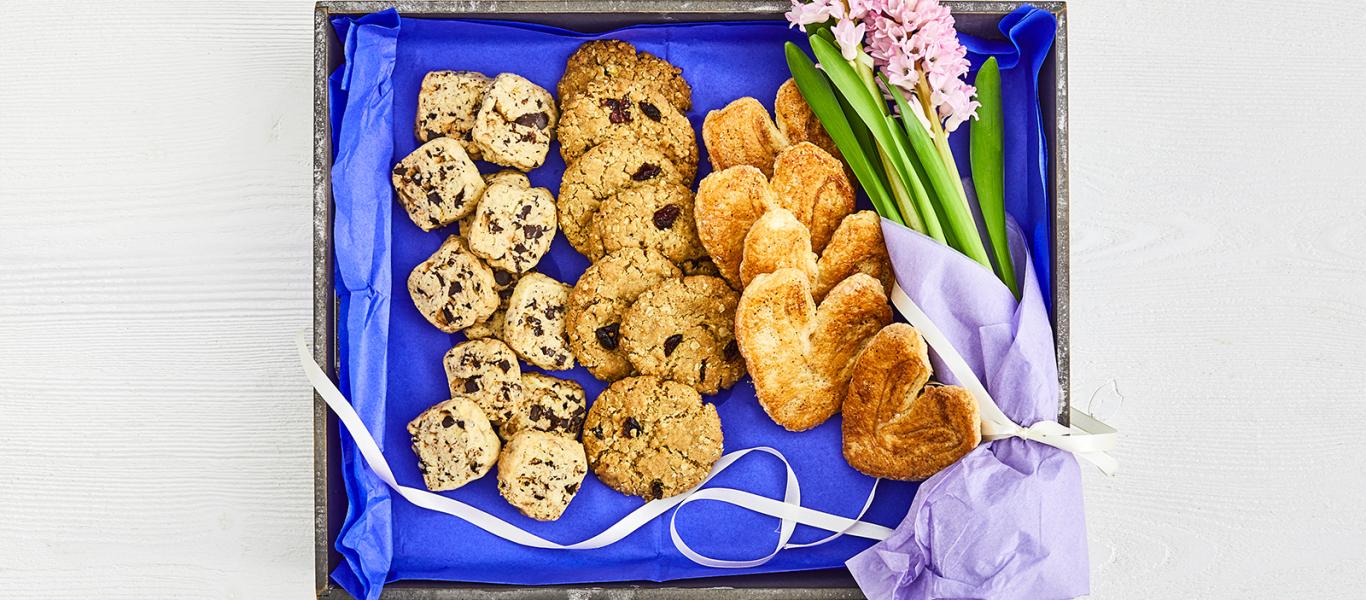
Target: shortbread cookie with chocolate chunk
[(513, 226), (895, 426), (598, 175), (447, 104), (437, 184), (534, 324), (453, 288), (742, 133), (516, 123), (548, 404), (540, 473), (599, 302), (801, 355), (486, 371), (454, 444), (608, 60)]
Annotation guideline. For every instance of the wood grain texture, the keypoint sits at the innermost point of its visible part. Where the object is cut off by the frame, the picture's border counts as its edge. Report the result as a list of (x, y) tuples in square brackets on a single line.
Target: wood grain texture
[(155, 263)]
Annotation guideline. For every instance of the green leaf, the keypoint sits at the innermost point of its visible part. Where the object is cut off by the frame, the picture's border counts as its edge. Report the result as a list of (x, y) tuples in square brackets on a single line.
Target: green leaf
[(816, 90), (988, 167), (957, 215), (866, 106)]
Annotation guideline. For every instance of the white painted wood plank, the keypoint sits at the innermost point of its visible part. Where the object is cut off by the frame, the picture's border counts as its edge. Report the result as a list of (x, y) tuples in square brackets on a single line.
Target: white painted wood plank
[(155, 262)]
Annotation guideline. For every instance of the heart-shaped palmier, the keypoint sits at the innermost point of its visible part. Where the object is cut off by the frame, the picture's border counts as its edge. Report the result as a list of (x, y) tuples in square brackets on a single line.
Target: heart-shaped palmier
[(779, 240), (894, 425), (801, 355)]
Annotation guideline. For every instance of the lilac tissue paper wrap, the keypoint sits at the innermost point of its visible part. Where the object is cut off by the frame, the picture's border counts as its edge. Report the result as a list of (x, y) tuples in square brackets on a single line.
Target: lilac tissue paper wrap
[(1006, 520)]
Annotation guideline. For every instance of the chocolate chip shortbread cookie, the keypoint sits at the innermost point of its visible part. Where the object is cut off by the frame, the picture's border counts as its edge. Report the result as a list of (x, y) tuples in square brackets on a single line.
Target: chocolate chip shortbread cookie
[(599, 174), (513, 225), (492, 326), (651, 437), (684, 330), (658, 217), (516, 122), (548, 404), (486, 371), (454, 444), (447, 105), (606, 60), (621, 110), (534, 324), (599, 302), (539, 473), (437, 184), (453, 288)]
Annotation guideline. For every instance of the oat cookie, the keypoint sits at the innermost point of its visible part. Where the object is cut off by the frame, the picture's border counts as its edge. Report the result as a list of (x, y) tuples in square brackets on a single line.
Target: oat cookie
[(513, 226), (895, 426), (742, 133), (801, 355), (607, 60), (548, 404), (600, 300), (651, 437), (799, 124), (699, 266), (777, 240), (684, 330), (454, 444), (618, 110), (658, 217), (599, 174), (437, 184), (516, 122), (486, 371), (727, 205), (856, 247), (812, 184), (453, 288), (534, 323), (447, 104), (539, 473)]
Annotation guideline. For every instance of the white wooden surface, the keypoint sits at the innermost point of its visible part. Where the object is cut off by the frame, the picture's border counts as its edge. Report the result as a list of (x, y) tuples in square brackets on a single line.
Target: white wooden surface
[(155, 262)]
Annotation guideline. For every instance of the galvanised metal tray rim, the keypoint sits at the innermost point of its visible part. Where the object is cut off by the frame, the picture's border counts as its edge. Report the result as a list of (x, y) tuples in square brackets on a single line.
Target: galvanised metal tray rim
[(603, 15)]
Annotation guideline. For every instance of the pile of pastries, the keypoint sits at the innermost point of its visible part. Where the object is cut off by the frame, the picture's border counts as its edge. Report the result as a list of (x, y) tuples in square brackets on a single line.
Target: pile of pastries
[(767, 269)]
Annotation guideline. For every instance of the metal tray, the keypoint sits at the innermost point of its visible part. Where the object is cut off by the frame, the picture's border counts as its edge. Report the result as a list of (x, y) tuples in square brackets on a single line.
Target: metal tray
[(590, 16)]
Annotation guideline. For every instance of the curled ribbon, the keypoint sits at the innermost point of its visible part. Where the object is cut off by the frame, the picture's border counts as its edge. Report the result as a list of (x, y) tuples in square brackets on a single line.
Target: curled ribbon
[(789, 510), (1087, 437)]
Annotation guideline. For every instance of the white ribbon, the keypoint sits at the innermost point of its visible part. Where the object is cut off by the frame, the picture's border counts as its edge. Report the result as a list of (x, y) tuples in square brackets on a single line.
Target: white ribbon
[(789, 510), (1087, 437)]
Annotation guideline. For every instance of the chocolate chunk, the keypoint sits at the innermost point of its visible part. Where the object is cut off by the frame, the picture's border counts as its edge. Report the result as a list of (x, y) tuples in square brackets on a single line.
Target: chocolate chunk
[(434, 197), (459, 197), (665, 217), (536, 412), (504, 364), (607, 335), (532, 231), (448, 421), (630, 427), (538, 120), (474, 466), (597, 432), (460, 423), (620, 109), (524, 212), (456, 287), (702, 372), (446, 314), (495, 226), (731, 351), (400, 171), (501, 277), (672, 343), (472, 385), (650, 110), (656, 489), (645, 172), (571, 489)]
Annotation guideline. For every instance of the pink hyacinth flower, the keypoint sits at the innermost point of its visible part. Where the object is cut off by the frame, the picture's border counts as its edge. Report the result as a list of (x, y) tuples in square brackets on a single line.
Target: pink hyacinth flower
[(849, 36)]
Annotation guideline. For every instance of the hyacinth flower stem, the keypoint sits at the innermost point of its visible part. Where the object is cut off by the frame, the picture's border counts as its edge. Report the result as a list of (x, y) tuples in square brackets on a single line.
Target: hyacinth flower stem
[(917, 213)]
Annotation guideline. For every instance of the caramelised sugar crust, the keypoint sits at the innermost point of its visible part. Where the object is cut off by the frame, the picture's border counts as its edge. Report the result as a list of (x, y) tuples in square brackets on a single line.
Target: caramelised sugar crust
[(812, 184), (657, 216), (856, 247), (598, 304), (485, 371), (800, 355), (651, 437), (776, 241), (895, 426), (684, 330), (454, 444), (727, 204), (621, 109), (799, 124), (598, 175), (437, 184), (534, 325), (453, 288), (609, 60), (516, 123), (447, 105), (742, 133), (540, 473)]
